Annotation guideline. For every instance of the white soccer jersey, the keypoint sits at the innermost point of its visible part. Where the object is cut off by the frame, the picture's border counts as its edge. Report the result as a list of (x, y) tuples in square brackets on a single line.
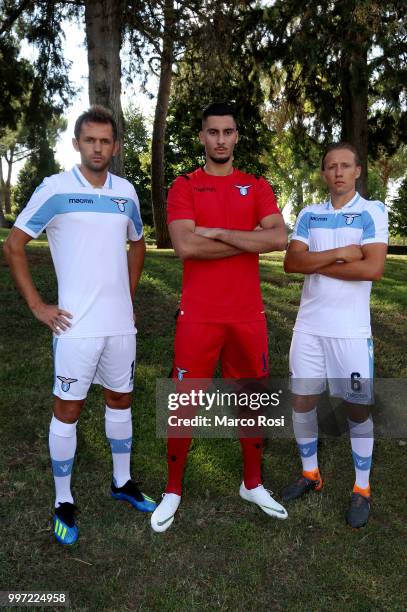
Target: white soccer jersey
[(329, 306), (87, 230)]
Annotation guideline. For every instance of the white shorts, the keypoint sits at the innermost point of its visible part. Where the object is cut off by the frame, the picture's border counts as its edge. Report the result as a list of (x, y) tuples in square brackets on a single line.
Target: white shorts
[(347, 364), (78, 362)]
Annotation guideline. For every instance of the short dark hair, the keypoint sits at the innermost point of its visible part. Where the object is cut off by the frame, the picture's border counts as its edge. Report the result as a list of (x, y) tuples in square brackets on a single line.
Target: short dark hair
[(219, 109), (97, 114), (341, 145)]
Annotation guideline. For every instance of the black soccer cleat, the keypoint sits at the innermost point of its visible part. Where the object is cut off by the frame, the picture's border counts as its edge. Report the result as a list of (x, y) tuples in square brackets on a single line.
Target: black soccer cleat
[(300, 487), (358, 512)]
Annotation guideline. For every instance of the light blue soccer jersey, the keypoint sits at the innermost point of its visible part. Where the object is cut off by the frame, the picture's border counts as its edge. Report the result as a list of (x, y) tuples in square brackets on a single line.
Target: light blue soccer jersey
[(332, 307), (87, 230)]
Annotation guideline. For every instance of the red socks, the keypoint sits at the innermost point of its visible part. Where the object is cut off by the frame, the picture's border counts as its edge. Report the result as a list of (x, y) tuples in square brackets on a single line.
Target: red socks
[(177, 452), (252, 451)]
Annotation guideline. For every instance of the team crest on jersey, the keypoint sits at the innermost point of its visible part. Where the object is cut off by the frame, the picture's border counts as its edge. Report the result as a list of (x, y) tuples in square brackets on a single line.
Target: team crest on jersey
[(350, 217), (120, 203), (243, 189), (66, 382), (181, 373)]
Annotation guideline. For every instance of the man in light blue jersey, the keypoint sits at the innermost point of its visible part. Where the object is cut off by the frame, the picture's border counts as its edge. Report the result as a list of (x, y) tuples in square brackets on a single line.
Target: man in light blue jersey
[(89, 215), (341, 247)]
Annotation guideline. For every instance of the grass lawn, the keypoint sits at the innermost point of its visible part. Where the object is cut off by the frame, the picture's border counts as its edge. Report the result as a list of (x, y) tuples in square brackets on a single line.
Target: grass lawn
[(221, 553)]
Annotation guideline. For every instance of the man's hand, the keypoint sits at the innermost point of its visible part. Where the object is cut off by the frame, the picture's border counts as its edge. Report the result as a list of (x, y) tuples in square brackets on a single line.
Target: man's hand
[(53, 316), (352, 252)]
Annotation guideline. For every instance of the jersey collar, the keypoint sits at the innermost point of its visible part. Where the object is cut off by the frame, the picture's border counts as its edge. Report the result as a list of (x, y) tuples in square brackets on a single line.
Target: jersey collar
[(352, 202), (84, 183)]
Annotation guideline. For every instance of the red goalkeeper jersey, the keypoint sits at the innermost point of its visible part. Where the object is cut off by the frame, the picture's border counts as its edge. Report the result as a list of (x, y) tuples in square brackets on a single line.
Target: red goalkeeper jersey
[(227, 289)]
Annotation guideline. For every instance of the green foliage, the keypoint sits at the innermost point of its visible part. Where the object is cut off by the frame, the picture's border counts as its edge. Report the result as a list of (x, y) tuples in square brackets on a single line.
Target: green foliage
[(40, 164), (377, 189), (325, 63), (398, 212), (217, 66), (44, 85), (15, 75), (137, 159), (294, 164)]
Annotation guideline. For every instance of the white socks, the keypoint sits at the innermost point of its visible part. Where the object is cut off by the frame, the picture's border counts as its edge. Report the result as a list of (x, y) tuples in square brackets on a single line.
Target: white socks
[(305, 425), (361, 439), (62, 447), (119, 432)]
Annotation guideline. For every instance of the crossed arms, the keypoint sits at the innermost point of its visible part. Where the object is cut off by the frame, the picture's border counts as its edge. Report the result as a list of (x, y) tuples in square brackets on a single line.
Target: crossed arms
[(194, 242), (352, 262)]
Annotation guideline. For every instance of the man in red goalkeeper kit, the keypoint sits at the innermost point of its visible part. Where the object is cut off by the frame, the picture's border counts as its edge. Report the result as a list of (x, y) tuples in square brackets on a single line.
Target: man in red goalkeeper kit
[(213, 214)]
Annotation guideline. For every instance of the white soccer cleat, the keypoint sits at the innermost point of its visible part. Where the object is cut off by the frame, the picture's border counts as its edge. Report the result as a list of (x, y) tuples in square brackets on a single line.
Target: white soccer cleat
[(264, 500), (163, 515)]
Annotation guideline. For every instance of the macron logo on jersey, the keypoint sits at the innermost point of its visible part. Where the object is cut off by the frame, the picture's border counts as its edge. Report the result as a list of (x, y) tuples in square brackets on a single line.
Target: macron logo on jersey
[(319, 218), (81, 201)]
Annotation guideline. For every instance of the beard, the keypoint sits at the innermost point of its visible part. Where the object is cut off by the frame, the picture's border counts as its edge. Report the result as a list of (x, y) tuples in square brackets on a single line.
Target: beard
[(98, 167), (219, 160)]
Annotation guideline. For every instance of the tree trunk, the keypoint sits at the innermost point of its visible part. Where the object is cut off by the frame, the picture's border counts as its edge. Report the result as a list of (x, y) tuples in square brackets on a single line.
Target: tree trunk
[(104, 25), (354, 90), (158, 191), (3, 221), (7, 183), (299, 197)]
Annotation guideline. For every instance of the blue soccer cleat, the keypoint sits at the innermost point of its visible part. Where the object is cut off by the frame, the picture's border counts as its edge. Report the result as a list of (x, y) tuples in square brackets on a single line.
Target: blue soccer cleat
[(130, 492), (65, 529)]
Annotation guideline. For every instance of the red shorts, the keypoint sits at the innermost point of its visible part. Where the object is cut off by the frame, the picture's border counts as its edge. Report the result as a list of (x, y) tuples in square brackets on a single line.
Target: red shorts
[(242, 349)]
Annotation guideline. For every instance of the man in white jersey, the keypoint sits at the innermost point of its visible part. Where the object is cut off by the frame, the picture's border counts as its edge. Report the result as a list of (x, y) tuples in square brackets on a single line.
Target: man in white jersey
[(89, 215), (341, 247)]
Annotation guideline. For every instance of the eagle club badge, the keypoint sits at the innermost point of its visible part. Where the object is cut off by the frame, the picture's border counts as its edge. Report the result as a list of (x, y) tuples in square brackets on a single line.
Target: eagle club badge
[(350, 217), (120, 203), (181, 373), (66, 382), (243, 189)]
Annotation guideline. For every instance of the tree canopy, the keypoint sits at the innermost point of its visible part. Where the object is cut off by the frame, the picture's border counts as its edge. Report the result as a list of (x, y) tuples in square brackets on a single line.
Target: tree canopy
[(301, 75)]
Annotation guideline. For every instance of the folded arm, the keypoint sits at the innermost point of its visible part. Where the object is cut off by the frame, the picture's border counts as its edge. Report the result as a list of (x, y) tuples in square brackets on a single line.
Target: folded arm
[(271, 237), (299, 259), (370, 268), (190, 245)]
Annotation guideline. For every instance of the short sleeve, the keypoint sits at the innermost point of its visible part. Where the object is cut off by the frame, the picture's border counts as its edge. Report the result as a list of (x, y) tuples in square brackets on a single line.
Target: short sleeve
[(301, 227), (180, 203), (135, 225), (266, 202), (39, 211), (375, 224)]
